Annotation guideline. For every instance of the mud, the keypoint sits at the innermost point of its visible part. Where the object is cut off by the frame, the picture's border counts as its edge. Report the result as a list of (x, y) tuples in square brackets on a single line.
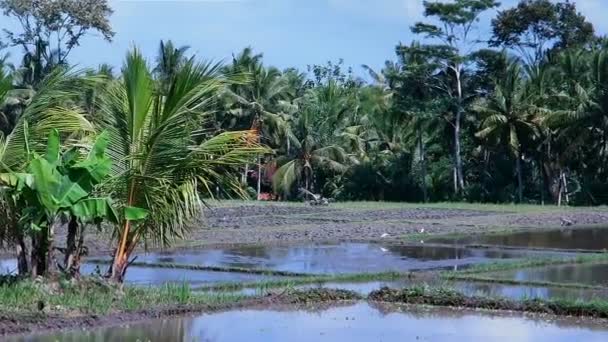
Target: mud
[(270, 223)]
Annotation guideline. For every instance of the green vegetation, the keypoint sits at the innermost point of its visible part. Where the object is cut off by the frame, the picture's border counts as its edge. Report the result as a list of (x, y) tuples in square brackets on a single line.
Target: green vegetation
[(448, 297), (91, 297), (520, 120), (309, 279)]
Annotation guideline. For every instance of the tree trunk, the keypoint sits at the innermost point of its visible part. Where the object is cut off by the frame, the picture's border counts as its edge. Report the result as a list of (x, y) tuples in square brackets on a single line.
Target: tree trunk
[(39, 254), (520, 191), (455, 178), (560, 190), (458, 119), (21, 249), (74, 248), (244, 178), (565, 188), (50, 259), (543, 182), (259, 177), (422, 165)]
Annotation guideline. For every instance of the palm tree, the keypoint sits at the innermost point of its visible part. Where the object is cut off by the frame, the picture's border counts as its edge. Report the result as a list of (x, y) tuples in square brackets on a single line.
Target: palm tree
[(168, 61), (6, 84), (307, 156), (506, 118), (161, 161), (258, 104)]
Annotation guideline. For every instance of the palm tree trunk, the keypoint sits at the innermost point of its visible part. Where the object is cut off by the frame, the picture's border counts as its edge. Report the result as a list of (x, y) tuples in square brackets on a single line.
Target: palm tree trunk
[(542, 182), (520, 193), (565, 188), (458, 119), (119, 264), (422, 165), (259, 177), (560, 190), (244, 178)]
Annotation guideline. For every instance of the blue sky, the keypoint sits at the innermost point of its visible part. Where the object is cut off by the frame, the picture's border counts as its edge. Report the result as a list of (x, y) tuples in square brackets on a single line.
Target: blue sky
[(288, 32)]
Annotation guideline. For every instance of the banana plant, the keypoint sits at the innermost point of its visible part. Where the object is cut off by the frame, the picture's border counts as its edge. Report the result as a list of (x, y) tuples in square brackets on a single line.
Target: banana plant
[(58, 185)]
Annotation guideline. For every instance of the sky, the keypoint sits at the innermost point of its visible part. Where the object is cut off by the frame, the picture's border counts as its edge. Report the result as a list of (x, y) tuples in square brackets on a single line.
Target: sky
[(290, 33)]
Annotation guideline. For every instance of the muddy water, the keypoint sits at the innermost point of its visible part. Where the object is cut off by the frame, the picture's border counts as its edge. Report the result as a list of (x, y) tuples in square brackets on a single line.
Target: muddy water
[(589, 274), (576, 238), (356, 322), (335, 258)]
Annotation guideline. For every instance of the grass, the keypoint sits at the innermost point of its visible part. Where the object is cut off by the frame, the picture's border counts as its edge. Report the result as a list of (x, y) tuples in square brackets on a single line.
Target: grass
[(447, 297), (367, 205), (91, 297), (316, 279)]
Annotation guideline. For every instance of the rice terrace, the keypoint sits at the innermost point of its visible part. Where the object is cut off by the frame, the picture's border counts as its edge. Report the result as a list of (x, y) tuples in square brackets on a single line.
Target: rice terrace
[(452, 188)]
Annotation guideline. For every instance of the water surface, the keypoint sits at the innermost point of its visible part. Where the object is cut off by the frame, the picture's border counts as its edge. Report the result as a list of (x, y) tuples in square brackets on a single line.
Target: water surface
[(356, 322), (593, 239), (154, 276), (335, 258), (588, 274)]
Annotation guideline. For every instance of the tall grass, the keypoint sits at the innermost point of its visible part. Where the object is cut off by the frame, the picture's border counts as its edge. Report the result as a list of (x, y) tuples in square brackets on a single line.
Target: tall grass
[(95, 298)]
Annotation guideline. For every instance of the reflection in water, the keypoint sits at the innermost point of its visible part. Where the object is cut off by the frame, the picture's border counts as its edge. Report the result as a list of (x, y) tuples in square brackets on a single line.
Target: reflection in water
[(335, 258), (589, 274), (514, 292), (518, 292), (574, 238), (137, 275), (358, 322)]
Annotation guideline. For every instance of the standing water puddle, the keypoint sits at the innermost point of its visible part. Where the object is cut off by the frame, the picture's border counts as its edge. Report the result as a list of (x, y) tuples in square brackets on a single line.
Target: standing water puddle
[(587, 274), (357, 322), (595, 239), (335, 258), (137, 275)]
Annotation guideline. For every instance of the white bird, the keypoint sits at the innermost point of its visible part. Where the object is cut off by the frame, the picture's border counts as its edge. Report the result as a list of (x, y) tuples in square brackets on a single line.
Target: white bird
[(421, 230), (384, 235), (383, 249)]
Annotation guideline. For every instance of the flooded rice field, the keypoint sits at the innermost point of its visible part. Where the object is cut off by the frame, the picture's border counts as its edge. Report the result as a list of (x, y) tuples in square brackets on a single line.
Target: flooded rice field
[(590, 239), (595, 274), (350, 322), (469, 288), (155, 276), (254, 262), (336, 258)]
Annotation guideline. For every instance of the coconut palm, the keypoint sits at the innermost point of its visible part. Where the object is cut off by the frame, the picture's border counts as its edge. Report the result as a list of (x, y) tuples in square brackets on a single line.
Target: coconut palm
[(260, 103), (307, 156), (168, 61), (506, 118), (161, 161)]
